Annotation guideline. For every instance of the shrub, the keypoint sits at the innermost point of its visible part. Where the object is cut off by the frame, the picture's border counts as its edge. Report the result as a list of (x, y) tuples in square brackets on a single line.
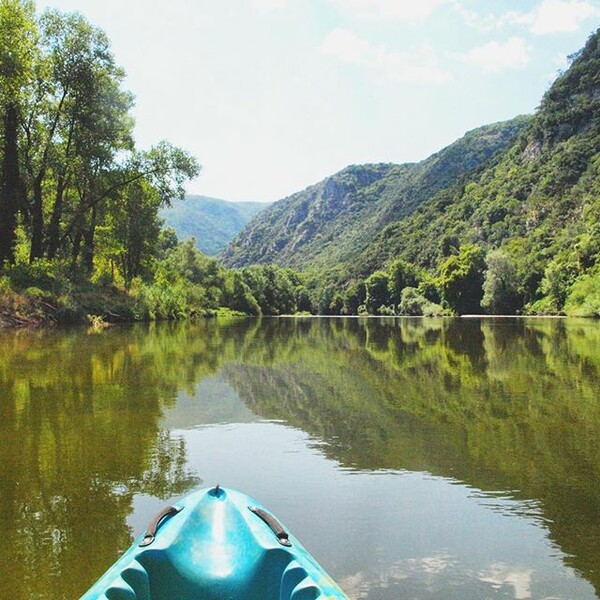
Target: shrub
[(47, 275), (584, 297), (414, 304)]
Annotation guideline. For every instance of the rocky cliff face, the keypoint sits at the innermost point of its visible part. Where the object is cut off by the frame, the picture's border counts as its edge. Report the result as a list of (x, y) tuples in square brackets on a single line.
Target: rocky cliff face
[(332, 221)]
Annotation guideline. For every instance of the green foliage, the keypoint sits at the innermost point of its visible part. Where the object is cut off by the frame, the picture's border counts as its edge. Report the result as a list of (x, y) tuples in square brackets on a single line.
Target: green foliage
[(378, 292), (163, 302), (584, 297), (414, 304), (402, 275), (42, 274), (501, 294), (461, 280), (356, 296), (272, 287), (559, 275), (18, 48), (68, 164)]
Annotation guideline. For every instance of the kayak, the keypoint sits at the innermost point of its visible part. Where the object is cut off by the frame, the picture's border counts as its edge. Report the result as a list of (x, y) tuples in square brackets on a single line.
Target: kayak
[(216, 544)]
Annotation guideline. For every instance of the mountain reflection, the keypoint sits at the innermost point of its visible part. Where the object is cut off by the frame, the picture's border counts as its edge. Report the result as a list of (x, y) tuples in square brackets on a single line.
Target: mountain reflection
[(499, 404), (507, 406)]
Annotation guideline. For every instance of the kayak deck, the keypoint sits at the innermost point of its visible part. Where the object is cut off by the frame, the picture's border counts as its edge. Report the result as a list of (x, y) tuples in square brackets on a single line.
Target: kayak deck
[(220, 545)]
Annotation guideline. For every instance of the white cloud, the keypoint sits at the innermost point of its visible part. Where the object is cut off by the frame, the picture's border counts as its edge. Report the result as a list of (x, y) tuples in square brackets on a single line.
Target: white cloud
[(494, 57), (553, 16), (268, 5), (400, 10), (499, 575), (549, 16), (417, 66), (484, 23)]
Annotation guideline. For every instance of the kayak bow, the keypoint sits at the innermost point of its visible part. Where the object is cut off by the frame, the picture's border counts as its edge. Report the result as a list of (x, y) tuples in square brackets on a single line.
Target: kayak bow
[(216, 544)]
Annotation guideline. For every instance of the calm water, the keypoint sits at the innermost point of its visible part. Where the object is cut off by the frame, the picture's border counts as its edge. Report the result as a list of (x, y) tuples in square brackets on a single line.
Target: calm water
[(415, 459)]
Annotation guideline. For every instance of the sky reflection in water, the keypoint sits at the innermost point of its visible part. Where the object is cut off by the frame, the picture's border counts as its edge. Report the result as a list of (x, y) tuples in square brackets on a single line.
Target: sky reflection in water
[(414, 459)]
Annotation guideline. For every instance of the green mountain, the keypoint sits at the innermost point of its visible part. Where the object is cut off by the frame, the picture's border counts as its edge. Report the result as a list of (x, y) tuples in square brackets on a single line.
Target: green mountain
[(213, 222), (329, 223), (506, 219), (539, 203)]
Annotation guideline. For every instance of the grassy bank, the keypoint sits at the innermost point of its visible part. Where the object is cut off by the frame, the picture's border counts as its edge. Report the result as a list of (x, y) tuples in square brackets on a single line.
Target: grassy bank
[(36, 295)]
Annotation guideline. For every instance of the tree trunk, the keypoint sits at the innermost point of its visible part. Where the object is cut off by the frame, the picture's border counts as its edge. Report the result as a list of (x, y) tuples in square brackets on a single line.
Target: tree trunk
[(53, 238), (88, 243), (54, 227), (37, 219), (9, 186)]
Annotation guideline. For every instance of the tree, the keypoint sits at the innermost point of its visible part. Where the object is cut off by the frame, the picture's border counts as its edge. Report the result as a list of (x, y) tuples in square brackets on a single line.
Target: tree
[(18, 36), (501, 294), (414, 304), (74, 123), (336, 305), (242, 298), (164, 169), (560, 274), (355, 297), (378, 295), (135, 227), (461, 279), (96, 124), (402, 275), (279, 297)]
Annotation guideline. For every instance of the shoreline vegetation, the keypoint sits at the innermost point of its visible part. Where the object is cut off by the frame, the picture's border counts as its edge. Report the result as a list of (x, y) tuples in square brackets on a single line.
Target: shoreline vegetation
[(82, 240)]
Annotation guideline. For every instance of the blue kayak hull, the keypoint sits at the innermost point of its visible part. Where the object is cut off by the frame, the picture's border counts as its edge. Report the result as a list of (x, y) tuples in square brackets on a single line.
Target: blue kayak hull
[(217, 547)]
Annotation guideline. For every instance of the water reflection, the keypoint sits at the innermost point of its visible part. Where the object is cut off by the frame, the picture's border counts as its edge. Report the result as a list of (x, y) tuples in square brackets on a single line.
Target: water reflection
[(500, 404), (79, 437), (471, 420)]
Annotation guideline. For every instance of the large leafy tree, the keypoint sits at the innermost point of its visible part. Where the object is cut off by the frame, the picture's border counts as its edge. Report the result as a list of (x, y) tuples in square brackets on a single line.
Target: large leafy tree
[(18, 49), (461, 279), (149, 181), (378, 291), (78, 120), (66, 122), (501, 293), (402, 275)]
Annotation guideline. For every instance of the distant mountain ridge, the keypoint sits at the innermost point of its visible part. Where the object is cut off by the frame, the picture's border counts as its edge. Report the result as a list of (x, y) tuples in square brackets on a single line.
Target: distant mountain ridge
[(330, 223), (213, 222)]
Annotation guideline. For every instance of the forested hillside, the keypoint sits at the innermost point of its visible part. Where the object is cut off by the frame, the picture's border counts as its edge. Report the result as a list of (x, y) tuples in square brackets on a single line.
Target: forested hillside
[(468, 230), (534, 215), (330, 222), (213, 223), (505, 220)]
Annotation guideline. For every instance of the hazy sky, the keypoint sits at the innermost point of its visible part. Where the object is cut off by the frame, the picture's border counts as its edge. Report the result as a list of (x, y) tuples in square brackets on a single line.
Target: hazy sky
[(273, 95)]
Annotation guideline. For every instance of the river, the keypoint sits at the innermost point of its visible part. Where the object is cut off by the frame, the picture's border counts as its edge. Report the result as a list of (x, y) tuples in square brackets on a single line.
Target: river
[(422, 459)]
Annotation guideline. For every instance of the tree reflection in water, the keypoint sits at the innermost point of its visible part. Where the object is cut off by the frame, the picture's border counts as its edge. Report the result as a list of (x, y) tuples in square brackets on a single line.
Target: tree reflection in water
[(502, 405), (79, 437)]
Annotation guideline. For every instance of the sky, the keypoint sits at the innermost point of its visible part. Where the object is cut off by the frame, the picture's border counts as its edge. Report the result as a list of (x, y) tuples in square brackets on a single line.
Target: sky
[(274, 95)]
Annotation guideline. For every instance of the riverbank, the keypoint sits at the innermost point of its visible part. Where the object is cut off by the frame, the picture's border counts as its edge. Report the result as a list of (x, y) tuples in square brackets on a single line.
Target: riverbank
[(84, 303), (89, 304), (17, 310), (34, 308)]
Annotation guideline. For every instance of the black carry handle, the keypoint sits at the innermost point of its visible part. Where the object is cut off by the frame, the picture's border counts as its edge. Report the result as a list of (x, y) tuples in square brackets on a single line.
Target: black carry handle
[(274, 524), (150, 534)]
